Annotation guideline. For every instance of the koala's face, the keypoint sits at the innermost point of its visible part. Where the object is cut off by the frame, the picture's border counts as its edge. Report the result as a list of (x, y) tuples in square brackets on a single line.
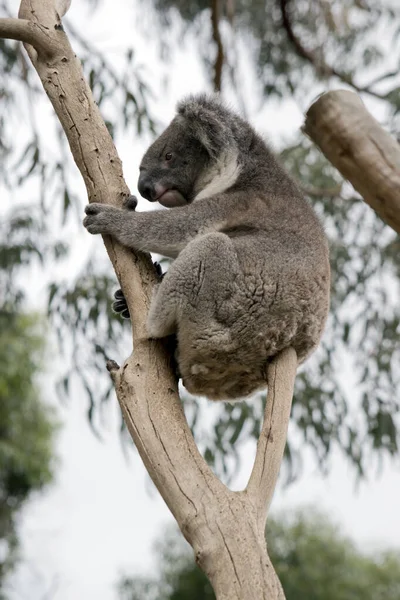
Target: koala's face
[(171, 166)]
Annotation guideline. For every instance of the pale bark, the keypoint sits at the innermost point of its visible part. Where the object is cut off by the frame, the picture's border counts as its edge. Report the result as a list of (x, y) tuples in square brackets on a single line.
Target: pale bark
[(357, 145), (225, 528)]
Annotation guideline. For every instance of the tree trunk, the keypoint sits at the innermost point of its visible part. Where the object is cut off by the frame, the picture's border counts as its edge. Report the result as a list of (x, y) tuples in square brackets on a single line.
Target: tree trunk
[(225, 528), (365, 154)]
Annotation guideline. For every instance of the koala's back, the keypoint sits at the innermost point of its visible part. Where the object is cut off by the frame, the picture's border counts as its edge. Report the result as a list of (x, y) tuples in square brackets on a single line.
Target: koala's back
[(271, 291)]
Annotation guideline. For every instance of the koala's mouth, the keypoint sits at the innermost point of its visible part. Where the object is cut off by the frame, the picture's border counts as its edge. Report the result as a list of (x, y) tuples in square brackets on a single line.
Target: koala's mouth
[(171, 198)]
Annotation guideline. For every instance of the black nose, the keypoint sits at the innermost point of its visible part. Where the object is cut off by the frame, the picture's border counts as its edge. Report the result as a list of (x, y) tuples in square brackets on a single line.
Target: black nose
[(145, 187)]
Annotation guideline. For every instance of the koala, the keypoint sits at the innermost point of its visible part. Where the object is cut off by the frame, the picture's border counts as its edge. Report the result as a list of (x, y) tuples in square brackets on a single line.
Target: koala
[(251, 273)]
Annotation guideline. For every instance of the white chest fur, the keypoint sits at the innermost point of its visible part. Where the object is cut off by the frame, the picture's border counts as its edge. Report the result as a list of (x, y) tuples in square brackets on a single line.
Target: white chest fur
[(221, 176)]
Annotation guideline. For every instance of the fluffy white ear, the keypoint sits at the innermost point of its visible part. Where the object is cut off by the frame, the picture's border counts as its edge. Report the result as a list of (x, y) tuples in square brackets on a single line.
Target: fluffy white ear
[(62, 6), (202, 118)]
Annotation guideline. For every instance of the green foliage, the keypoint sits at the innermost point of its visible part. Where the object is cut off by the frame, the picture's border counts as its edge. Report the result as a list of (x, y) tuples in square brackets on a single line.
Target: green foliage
[(313, 560), (331, 38), (27, 426), (179, 578)]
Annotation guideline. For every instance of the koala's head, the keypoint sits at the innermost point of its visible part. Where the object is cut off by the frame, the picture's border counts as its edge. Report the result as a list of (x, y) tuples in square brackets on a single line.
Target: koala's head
[(174, 168)]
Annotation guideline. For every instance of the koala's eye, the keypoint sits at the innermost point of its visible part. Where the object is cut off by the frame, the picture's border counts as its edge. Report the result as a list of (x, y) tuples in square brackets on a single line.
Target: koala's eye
[(168, 156)]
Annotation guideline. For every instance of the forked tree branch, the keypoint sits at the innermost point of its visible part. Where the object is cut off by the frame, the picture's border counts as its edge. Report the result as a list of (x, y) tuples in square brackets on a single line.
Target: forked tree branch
[(225, 528), (356, 144)]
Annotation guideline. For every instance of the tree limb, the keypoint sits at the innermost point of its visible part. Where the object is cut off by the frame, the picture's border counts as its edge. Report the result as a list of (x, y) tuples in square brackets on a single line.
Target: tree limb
[(356, 144), (28, 32), (272, 440), (225, 528)]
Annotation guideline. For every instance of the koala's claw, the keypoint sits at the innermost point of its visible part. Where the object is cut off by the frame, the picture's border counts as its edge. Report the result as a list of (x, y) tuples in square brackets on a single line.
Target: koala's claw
[(93, 208), (130, 203), (120, 306)]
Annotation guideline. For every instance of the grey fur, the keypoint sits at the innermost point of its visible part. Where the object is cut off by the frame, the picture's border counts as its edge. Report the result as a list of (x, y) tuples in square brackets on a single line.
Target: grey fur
[(251, 275)]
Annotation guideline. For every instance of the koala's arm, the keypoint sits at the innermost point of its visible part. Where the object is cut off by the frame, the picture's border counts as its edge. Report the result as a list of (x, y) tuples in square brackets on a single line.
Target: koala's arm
[(166, 232)]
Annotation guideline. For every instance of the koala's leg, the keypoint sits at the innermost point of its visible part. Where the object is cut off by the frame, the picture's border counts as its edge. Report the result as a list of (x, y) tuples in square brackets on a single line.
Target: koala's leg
[(161, 320), (205, 270)]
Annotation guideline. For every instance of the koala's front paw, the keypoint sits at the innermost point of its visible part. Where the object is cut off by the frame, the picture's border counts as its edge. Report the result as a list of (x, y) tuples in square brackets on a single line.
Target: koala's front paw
[(101, 218)]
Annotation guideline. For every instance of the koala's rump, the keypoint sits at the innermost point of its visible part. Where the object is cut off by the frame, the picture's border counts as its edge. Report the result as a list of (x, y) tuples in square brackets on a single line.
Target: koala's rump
[(256, 310)]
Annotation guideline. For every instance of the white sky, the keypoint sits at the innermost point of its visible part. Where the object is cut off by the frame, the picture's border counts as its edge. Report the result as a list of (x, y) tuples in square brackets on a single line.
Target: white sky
[(102, 514)]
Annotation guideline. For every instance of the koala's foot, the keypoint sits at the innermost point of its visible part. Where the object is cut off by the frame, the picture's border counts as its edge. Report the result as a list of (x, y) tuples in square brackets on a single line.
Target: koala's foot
[(120, 306)]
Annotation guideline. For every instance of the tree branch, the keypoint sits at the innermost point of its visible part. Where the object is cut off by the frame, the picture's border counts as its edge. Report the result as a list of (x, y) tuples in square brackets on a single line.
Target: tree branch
[(364, 153), (24, 30), (225, 528), (91, 146), (272, 441)]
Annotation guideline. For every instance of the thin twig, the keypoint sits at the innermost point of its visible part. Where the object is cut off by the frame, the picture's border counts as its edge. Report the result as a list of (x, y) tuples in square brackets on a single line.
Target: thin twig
[(331, 192), (382, 77), (219, 59)]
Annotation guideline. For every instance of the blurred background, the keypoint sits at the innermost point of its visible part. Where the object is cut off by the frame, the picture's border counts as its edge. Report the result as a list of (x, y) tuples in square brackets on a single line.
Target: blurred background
[(79, 517)]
